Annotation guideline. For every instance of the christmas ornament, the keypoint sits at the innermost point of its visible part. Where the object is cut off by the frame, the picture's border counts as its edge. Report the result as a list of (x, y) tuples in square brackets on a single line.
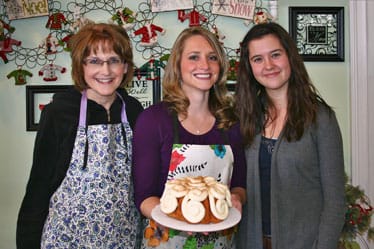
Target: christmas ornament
[(194, 17), (220, 36), (125, 18), (5, 27), (19, 76), (6, 47), (49, 71), (151, 67), (149, 34), (55, 21), (49, 44), (79, 20)]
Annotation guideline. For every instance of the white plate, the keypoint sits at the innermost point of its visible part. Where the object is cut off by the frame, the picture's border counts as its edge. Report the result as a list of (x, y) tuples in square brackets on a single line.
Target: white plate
[(161, 218)]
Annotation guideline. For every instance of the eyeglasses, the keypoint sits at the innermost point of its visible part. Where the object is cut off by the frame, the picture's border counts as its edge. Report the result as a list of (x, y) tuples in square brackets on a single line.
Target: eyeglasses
[(96, 63)]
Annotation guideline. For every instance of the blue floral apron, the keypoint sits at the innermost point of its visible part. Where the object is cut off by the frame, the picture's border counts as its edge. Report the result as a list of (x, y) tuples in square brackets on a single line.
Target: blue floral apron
[(94, 207), (195, 160)]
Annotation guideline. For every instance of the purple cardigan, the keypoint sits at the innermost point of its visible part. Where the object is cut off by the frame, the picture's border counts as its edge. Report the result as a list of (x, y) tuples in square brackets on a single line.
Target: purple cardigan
[(153, 140)]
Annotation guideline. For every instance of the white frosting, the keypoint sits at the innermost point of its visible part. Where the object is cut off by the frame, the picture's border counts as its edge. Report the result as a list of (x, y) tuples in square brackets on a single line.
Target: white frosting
[(195, 190)]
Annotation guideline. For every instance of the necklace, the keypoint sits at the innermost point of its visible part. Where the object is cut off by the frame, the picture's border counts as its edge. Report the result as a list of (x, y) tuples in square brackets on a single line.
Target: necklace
[(195, 127)]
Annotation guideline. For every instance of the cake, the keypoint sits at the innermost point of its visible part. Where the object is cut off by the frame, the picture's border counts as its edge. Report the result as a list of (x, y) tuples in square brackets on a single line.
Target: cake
[(196, 200)]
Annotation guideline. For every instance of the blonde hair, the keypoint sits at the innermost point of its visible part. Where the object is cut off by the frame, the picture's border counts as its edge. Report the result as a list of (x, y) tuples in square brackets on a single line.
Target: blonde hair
[(91, 38), (220, 103)]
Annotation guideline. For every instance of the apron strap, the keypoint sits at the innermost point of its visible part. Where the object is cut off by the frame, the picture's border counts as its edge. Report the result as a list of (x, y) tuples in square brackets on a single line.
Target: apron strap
[(123, 110), (83, 120), (175, 129), (83, 110)]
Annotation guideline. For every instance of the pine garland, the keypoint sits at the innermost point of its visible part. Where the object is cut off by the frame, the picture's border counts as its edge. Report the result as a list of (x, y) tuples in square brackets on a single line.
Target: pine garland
[(357, 218)]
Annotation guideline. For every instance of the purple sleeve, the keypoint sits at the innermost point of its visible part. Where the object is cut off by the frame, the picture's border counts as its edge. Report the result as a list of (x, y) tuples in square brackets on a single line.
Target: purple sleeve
[(151, 152), (239, 173), (153, 140)]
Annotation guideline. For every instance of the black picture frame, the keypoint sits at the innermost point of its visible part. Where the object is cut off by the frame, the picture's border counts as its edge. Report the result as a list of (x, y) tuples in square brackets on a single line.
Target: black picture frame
[(36, 97), (231, 86), (146, 86), (318, 32)]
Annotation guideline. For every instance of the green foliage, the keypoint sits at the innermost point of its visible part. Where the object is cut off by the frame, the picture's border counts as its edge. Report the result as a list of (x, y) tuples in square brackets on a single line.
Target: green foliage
[(357, 217)]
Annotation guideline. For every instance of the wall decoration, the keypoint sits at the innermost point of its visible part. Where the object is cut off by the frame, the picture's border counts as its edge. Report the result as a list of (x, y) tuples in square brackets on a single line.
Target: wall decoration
[(37, 96), (18, 9), (167, 5), (318, 32), (147, 90), (19, 76), (64, 18), (235, 8), (49, 71)]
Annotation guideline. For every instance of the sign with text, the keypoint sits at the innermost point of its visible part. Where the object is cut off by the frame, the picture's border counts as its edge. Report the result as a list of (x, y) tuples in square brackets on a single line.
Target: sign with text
[(18, 9), (145, 86), (235, 8), (167, 5)]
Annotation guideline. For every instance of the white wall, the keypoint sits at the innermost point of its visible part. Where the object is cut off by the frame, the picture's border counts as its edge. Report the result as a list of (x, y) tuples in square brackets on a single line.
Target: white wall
[(331, 79), (362, 95)]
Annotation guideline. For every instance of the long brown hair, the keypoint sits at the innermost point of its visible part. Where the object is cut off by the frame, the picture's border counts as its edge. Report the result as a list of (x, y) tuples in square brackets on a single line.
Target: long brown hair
[(220, 103), (90, 38), (252, 101)]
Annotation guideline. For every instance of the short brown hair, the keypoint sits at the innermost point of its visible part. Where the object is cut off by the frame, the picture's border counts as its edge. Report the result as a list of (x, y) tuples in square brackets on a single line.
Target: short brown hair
[(91, 37)]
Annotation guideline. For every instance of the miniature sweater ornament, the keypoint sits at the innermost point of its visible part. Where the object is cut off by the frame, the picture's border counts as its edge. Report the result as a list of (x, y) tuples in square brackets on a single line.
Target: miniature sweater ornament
[(49, 44), (79, 20), (6, 47), (19, 76), (55, 21), (65, 42), (125, 18), (194, 17), (151, 68), (149, 35), (5, 26), (49, 71), (233, 67)]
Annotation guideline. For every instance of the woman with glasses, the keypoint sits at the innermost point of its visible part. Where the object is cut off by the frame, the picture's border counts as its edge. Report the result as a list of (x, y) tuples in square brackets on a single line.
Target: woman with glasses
[(79, 194)]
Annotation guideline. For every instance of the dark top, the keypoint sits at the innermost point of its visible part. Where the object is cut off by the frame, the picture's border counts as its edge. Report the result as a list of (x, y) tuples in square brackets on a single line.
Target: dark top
[(153, 140), (52, 152), (266, 150)]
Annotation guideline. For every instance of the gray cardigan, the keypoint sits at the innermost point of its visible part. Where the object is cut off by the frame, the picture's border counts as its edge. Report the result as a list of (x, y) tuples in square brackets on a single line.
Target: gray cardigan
[(307, 190)]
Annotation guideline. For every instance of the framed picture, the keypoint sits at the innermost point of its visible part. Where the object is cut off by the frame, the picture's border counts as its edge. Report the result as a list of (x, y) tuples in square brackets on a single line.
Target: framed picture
[(318, 32), (231, 85), (17, 9), (37, 96), (146, 86)]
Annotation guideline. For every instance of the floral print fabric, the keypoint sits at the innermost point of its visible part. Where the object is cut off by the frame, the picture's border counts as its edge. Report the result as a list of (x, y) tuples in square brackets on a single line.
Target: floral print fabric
[(194, 160), (94, 208)]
